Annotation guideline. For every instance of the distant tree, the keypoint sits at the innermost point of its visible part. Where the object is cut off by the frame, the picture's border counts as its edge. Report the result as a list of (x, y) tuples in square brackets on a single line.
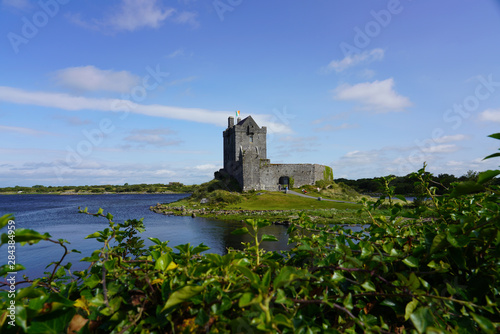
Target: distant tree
[(469, 176)]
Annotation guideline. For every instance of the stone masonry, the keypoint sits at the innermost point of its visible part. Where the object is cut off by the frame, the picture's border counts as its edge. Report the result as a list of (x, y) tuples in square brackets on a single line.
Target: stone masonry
[(245, 159)]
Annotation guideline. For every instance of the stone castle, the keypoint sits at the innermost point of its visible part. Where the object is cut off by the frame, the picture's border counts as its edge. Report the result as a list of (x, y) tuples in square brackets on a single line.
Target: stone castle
[(245, 159)]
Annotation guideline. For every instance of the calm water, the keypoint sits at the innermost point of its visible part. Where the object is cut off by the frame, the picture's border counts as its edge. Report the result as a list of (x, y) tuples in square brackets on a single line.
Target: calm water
[(58, 215)]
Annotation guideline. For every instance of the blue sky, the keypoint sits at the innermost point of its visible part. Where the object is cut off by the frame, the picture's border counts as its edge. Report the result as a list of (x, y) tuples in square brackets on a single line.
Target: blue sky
[(139, 91)]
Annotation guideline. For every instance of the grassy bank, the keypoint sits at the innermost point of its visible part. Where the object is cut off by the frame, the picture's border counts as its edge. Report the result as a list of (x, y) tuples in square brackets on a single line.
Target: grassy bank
[(274, 206), (282, 201)]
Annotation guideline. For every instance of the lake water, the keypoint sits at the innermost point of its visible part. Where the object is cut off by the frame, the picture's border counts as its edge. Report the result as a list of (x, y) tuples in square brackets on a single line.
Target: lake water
[(58, 215)]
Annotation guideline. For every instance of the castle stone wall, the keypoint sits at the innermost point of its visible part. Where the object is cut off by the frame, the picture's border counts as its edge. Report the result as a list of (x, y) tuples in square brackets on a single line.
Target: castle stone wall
[(245, 158), (302, 174)]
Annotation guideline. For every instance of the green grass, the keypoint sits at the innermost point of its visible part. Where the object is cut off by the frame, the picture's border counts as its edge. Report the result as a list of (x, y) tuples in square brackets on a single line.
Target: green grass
[(268, 201), (274, 206), (281, 201)]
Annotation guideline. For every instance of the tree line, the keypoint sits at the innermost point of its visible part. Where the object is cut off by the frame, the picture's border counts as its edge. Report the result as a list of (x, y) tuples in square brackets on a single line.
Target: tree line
[(175, 187), (405, 185)]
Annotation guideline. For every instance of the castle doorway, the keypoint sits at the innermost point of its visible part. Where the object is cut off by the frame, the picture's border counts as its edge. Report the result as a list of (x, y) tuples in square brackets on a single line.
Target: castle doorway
[(284, 181)]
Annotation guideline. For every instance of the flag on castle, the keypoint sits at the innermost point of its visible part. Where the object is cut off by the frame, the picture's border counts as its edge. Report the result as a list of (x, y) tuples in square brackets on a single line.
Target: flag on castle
[(238, 113)]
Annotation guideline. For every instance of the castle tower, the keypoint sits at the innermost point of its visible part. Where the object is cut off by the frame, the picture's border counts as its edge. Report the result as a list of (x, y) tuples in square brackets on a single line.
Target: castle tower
[(243, 139), (244, 148)]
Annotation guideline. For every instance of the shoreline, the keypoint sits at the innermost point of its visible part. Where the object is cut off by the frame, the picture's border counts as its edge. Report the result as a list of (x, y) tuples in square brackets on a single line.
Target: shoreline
[(91, 193), (276, 216)]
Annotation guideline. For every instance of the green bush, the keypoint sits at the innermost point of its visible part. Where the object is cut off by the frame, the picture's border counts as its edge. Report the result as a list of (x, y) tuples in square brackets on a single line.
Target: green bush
[(223, 197)]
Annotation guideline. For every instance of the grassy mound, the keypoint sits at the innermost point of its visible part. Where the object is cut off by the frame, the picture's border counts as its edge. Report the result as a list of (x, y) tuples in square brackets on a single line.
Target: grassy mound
[(332, 190)]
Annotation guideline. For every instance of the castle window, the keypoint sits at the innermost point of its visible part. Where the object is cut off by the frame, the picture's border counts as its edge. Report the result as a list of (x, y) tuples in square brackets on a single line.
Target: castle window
[(251, 138)]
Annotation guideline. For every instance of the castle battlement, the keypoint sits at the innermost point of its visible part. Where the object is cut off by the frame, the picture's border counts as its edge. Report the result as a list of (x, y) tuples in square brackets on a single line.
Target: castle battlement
[(245, 159)]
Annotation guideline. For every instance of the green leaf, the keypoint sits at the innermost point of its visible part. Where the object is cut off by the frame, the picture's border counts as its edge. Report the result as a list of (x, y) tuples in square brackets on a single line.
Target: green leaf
[(110, 264), (263, 223), (410, 307), (421, 319), (24, 235), (184, 248), (240, 231), (267, 237), (7, 269), (413, 282), (281, 319), (29, 292), (485, 324), (388, 302), (366, 249), (4, 220), (281, 297), (287, 275), (202, 318), (92, 281), (163, 262), (494, 155), (369, 286), (183, 294), (200, 248), (337, 276), (21, 317), (487, 176), (97, 300), (254, 278), (411, 261), (402, 198), (437, 242), (495, 136), (155, 240), (266, 279), (348, 302), (245, 299), (53, 322), (466, 188)]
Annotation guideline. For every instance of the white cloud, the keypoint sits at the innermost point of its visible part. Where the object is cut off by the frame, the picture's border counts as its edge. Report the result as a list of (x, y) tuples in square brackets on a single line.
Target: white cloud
[(440, 148), (134, 14), (164, 172), (156, 140), (187, 18), (449, 139), (272, 124), (334, 117), (288, 146), (75, 103), (490, 115), (207, 167), (331, 128), (91, 78), (176, 53), (18, 4), (378, 95), (355, 59), (73, 120), (23, 131), (154, 137)]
